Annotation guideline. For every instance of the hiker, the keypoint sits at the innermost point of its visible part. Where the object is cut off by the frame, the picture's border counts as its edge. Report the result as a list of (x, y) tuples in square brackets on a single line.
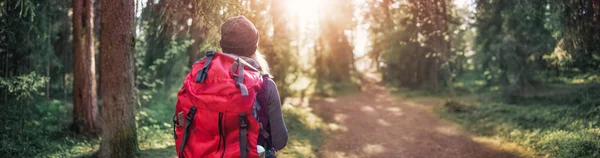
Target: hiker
[(229, 106)]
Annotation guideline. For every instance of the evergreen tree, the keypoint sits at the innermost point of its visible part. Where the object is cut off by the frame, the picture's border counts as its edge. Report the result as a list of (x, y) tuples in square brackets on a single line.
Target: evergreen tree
[(119, 135), (85, 110)]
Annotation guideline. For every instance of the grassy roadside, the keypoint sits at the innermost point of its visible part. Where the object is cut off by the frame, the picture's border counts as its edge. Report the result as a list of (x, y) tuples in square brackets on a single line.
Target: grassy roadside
[(559, 125), (305, 133), (48, 135)]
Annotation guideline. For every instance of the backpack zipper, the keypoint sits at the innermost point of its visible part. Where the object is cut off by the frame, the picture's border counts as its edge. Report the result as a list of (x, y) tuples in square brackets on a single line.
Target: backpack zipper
[(221, 134)]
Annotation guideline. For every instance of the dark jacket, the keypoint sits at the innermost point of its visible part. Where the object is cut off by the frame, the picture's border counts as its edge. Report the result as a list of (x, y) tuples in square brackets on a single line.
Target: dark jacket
[(279, 133)]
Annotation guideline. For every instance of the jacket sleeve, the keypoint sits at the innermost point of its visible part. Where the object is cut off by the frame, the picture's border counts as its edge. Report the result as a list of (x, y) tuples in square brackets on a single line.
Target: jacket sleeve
[(279, 133)]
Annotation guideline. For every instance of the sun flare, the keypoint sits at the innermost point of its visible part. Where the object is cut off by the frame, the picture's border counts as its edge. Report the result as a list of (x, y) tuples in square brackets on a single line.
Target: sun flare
[(306, 11)]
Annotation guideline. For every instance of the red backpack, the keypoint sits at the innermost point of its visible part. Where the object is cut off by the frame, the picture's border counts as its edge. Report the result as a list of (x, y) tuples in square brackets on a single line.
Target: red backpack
[(216, 113)]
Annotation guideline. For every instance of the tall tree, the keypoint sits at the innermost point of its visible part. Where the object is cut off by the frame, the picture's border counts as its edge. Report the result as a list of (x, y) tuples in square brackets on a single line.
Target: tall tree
[(413, 40), (275, 47), (333, 50), (85, 111), (119, 136), (512, 39), (580, 28), (281, 54)]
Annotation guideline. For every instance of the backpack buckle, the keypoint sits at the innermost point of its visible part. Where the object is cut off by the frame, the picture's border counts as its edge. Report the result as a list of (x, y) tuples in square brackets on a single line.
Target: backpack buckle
[(190, 114), (210, 53), (243, 120)]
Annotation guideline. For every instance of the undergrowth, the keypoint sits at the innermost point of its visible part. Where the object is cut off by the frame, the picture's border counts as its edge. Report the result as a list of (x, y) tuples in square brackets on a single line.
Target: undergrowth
[(305, 132), (43, 131), (561, 125)]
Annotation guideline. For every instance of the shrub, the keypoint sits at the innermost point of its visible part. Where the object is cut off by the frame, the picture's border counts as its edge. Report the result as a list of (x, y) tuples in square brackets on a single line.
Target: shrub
[(570, 144)]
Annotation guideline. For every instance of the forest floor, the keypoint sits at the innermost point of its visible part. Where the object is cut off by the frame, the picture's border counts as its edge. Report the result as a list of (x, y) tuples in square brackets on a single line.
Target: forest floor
[(377, 123)]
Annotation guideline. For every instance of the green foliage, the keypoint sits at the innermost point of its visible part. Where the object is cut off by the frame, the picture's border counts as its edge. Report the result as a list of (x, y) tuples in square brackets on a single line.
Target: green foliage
[(276, 48), (583, 97), (306, 131), (24, 87), (572, 144), (334, 58), (412, 40), (30, 46), (39, 130), (552, 130), (519, 43), (511, 42), (155, 125), (573, 22)]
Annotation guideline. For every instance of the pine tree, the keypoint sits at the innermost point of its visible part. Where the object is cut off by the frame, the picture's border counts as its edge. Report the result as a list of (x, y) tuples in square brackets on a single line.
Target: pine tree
[(119, 136), (85, 111)]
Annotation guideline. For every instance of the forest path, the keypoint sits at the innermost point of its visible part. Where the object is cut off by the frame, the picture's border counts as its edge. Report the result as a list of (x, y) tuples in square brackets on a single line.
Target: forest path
[(374, 123)]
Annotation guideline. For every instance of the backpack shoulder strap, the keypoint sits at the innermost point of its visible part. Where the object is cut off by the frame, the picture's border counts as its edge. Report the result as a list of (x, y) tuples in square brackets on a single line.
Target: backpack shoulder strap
[(202, 73), (264, 108)]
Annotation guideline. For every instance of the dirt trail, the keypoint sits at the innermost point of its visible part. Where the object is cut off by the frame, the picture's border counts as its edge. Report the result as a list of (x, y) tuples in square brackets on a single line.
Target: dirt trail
[(373, 123)]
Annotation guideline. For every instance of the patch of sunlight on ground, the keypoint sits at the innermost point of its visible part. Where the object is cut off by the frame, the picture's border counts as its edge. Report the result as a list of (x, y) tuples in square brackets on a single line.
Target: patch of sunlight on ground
[(301, 147), (336, 127), (340, 154), (393, 109), (82, 149), (447, 130), (367, 109), (305, 132), (154, 138), (307, 117), (383, 122), (340, 117), (373, 149), (498, 144), (331, 100)]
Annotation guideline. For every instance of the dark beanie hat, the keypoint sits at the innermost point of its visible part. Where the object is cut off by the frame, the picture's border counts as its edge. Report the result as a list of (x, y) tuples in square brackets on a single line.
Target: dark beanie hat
[(239, 36)]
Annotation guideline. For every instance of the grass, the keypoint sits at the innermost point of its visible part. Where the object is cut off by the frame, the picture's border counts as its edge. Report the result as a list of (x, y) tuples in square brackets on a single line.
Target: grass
[(561, 125), (305, 133), (45, 131)]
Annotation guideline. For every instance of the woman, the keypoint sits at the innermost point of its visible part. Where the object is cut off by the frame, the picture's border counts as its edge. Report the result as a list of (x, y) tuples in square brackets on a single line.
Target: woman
[(240, 37)]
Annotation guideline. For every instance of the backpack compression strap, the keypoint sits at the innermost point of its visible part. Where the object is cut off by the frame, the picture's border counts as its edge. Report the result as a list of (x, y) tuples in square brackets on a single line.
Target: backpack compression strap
[(188, 122), (243, 134), (204, 71)]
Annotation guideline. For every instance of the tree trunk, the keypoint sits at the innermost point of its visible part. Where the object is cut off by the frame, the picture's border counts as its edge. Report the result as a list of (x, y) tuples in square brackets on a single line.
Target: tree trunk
[(281, 45), (196, 32), (448, 50), (97, 16), (85, 109), (193, 51), (119, 136)]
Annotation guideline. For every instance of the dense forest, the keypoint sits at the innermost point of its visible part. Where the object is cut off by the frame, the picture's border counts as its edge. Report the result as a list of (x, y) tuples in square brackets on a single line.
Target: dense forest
[(99, 77)]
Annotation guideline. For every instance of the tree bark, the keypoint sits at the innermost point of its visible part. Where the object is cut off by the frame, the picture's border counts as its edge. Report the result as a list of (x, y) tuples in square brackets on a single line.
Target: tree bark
[(196, 32), (448, 50), (119, 136), (85, 109)]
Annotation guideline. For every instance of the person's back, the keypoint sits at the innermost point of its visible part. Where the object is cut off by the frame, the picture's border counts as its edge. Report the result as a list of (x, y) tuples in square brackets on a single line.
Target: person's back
[(228, 102)]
